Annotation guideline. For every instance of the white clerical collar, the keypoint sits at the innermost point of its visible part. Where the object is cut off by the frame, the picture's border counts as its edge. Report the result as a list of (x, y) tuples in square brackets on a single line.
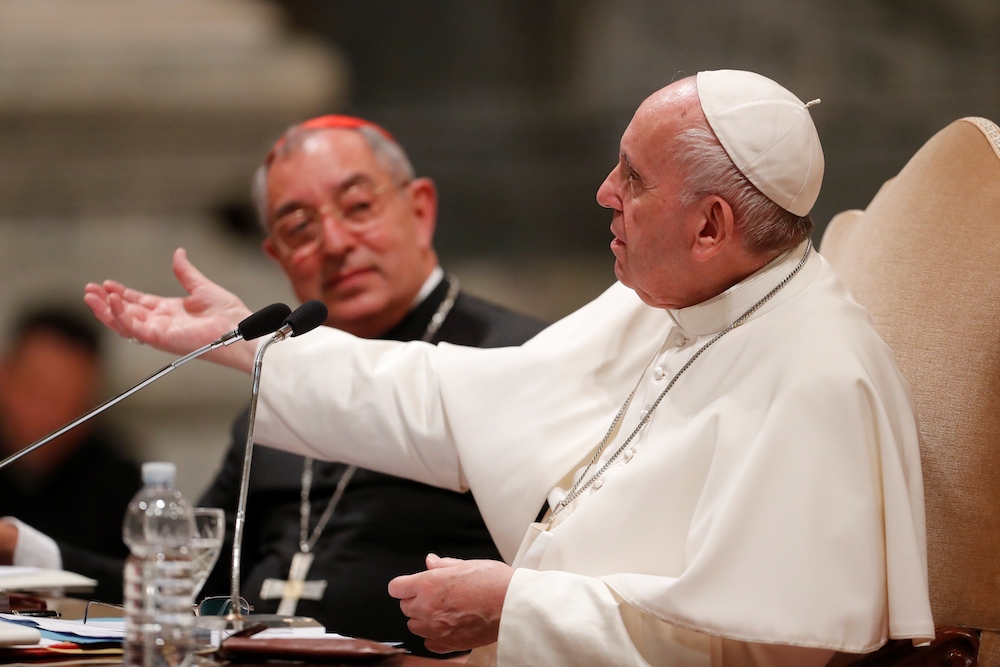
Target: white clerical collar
[(433, 280), (717, 313)]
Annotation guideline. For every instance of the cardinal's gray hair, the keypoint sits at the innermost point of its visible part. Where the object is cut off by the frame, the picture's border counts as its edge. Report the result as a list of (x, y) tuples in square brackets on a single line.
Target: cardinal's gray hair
[(389, 155)]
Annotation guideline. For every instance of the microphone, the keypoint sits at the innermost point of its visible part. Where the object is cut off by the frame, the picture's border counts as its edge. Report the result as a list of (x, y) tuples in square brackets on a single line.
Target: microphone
[(306, 317), (264, 321)]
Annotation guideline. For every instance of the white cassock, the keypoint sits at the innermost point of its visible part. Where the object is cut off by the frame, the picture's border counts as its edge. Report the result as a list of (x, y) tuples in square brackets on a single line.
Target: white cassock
[(769, 512)]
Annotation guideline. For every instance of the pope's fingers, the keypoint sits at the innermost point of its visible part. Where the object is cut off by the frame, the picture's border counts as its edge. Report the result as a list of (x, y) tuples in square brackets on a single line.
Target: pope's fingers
[(137, 311), (100, 308), (95, 289), (432, 640), (134, 296), (419, 628), (95, 297), (409, 607), (434, 561), (130, 318), (404, 586), (102, 311), (112, 287), (117, 306), (187, 274), (437, 647)]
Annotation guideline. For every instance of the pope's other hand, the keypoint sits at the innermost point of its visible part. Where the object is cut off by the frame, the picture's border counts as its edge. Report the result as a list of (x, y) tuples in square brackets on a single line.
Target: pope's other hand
[(178, 325), (455, 605)]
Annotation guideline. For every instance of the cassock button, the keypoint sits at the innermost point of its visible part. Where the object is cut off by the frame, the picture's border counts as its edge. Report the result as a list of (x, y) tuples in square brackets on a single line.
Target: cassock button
[(644, 413), (658, 373), (629, 453), (597, 484), (681, 340)]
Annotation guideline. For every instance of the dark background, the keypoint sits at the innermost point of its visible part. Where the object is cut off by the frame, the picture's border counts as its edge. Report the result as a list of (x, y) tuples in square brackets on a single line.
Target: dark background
[(516, 107)]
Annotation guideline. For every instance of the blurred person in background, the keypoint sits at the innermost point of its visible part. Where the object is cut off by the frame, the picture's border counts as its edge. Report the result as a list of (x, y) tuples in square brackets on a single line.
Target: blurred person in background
[(350, 225), (76, 488)]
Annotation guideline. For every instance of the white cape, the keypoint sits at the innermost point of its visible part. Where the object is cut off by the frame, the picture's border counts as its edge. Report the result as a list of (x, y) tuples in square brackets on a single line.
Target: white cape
[(777, 496)]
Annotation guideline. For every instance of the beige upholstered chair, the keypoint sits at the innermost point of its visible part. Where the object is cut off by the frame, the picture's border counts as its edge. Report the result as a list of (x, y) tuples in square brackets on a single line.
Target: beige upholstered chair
[(924, 259)]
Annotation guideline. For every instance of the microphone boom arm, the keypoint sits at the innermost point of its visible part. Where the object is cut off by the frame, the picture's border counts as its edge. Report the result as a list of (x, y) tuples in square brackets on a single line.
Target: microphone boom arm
[(306, 317), (228, 339), (241, 509)]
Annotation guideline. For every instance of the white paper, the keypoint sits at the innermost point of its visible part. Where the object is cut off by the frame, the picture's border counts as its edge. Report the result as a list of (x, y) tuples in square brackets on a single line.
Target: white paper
[(94, 629), (271, 633)]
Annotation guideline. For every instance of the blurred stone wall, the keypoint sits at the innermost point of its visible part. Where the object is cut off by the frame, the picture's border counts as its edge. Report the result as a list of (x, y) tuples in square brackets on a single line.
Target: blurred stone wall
[(130, 128), (515, 107)]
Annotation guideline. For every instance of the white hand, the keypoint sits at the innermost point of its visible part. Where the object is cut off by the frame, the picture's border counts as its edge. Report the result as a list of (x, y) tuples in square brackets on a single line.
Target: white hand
[(175, 324), (455, 605)]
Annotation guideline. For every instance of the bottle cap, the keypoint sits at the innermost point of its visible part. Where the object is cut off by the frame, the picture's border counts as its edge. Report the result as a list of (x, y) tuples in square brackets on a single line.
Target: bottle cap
[(159, 472)]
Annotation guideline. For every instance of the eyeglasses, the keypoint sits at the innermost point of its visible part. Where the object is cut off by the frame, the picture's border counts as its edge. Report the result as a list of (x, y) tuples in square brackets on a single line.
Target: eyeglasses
[(221, 605), (357, 208), (116, 614)]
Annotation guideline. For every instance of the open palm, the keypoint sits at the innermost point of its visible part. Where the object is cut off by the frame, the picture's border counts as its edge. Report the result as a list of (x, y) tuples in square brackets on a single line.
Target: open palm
[(172, 324)]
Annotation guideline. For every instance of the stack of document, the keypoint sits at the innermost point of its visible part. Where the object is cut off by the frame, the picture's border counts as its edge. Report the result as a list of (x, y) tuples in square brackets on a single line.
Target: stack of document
[(23, 637)]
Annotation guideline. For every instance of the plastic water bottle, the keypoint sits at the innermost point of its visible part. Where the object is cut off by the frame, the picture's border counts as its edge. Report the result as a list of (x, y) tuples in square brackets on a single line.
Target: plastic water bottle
[(159, 587)]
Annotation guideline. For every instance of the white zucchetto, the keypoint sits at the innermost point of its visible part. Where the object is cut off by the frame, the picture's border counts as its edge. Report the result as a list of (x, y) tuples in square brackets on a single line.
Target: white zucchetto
[(768, 133)]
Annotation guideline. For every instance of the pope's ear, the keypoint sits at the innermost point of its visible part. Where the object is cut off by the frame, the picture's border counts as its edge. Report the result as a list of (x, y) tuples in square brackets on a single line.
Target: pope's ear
[(716, 227)]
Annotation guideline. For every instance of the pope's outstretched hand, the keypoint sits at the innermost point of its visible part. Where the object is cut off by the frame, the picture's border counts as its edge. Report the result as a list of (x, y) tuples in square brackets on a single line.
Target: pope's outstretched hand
[(175, 324), (455, 604)]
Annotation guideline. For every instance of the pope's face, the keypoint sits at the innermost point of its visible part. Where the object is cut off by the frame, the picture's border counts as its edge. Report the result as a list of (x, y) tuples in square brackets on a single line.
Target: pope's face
[(653, 230), (366, 273)]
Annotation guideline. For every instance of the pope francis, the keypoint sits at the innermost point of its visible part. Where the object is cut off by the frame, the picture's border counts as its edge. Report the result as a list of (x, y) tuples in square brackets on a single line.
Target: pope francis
[(713, 463)]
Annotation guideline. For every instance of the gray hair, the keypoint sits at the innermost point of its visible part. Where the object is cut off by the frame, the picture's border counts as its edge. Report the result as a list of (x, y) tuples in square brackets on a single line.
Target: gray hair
[(767, 229), (389, 155)]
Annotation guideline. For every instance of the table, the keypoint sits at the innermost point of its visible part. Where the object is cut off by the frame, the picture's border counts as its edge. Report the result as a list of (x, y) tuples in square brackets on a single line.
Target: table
[(73, 608), (392, 661)]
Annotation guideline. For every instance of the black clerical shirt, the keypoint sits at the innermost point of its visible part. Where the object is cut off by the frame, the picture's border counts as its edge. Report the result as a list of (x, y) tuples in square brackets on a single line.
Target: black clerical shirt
[(80, 504)]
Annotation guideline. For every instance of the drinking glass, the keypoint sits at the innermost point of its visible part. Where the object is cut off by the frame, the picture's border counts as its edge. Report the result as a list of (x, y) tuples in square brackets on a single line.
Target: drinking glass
[(209, 529)]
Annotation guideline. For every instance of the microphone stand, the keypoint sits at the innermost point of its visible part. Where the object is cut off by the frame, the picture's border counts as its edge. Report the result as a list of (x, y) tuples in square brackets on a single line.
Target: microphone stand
[(306, 317), (241, 508), (235, 619), (228, 339)]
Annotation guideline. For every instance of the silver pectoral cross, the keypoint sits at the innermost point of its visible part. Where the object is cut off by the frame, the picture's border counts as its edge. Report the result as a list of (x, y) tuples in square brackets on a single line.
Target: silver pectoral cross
[(295, 588)]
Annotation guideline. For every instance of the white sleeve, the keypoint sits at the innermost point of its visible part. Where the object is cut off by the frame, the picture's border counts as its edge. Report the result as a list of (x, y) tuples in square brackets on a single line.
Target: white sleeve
[(371, 403), (561, 619), (34, 548)]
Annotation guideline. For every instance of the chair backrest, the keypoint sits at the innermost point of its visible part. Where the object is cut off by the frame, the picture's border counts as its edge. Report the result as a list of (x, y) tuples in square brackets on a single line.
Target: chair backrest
[(924, 259)]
